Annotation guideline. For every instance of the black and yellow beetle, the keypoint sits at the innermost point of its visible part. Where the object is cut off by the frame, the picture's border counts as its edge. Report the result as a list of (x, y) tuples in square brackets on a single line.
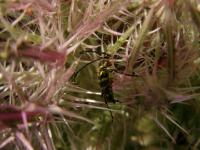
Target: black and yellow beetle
[(105, 81), (105, 73)]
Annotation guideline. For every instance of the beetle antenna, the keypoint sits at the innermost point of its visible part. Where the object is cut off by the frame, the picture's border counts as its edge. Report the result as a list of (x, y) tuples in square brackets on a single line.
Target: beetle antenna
[(76, 73)]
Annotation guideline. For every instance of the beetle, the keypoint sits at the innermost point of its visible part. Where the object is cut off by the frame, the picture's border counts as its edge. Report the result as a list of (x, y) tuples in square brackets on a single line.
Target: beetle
[(104, 74)]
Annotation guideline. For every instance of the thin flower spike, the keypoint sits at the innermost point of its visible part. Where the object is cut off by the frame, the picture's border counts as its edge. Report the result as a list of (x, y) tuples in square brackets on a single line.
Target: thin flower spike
[(24, 141), (7, 141), (90, 25), (112, 49), (139, 41), (164, 129), (58, 110), (17, 89), (174, 122)]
